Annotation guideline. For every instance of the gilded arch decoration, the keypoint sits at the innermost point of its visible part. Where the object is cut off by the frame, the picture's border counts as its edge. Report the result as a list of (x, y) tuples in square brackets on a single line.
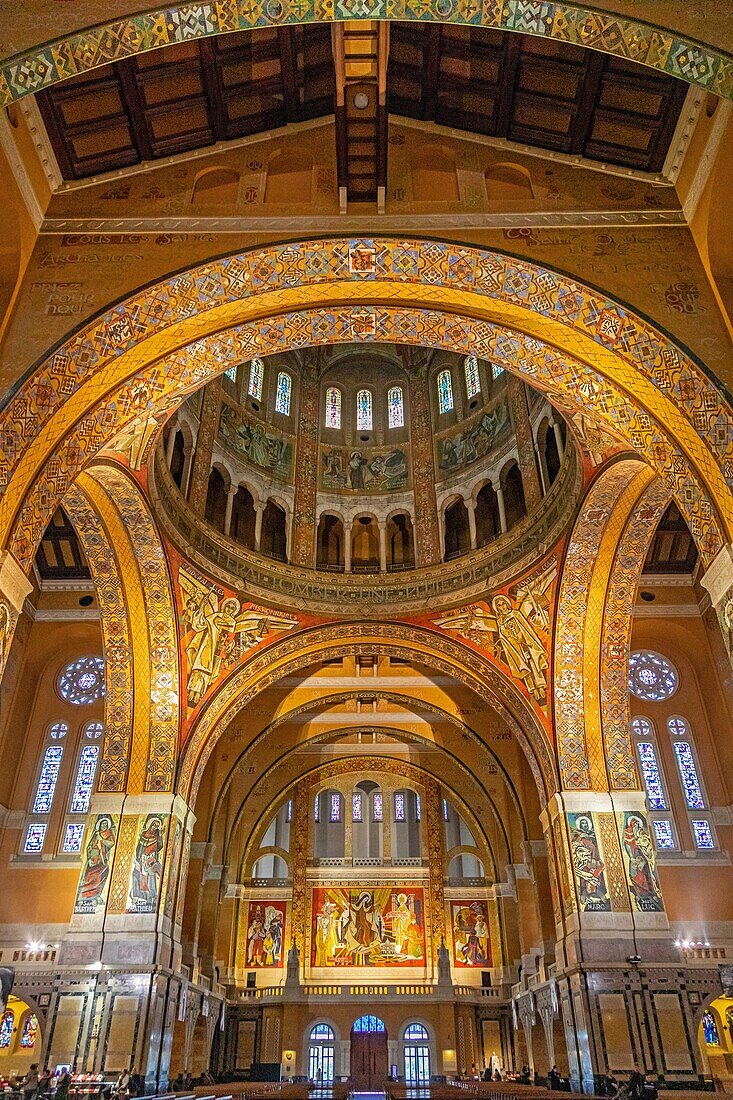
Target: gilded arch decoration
[(673, 53), (562, 336)]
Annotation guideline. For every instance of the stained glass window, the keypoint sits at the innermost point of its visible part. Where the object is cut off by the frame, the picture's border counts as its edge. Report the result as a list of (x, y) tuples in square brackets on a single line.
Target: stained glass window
[(356, 806), (395, 407), (377, 806), (399, 806), (84, 779), (710, 1030), (82, 681), (317, 808), (289, 811), (333, 407), (663, 833), (445, 392), (496, 370), (6, 1029), (703, 834), (256, 378), (30, 1031), (34, 837), (369, 1024), (93, 730), (418, 808), (73, 836), (47, 781), (688, 775), (364, 411), (651, 676), (322, 1032), (283, 394), (416, 1031), (642, 727), (678, 727), (445, 809), (473, 378), (335, 812), (652, 778), (231, 373)]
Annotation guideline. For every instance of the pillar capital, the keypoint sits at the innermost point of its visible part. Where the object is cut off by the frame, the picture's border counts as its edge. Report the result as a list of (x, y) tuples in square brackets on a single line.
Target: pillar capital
[(14, 584), (718, 577)]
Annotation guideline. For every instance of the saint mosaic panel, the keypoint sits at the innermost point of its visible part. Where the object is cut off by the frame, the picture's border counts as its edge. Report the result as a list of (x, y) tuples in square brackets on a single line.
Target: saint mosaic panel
[(365, 927), (91, 894), (265, 935), (470, 932)]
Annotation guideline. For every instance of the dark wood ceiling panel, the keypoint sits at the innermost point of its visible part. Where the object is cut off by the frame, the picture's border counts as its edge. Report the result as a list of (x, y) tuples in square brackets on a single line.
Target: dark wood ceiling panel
[(60, 556)]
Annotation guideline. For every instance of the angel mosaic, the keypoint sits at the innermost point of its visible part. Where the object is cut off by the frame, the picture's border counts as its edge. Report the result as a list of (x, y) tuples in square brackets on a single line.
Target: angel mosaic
[(514, 628), (219, 631)]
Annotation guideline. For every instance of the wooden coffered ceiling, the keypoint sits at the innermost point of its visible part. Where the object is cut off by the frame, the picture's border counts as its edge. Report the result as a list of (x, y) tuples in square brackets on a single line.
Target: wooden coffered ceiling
[(528, 90)]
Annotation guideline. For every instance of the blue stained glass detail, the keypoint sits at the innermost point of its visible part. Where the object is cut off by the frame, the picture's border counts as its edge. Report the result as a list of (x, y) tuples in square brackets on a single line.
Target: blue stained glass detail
[(370, 1024), (652, 778), (356, 806), (58, 731), (445, 392), (496, 370), (256, 378), (85, 779), (321, 1032), (82, 681), (284, 393), (30, 1031), (47, 783), (93, 729), (335, 813), (35, 837), (710, 1030), (6, 1029), (663, 833), (364, 411), (333, 407), (317, 808), (703, 834), (231, 373), (651, 676), (473, 378), (377, 806), (73, 837), (445, 809), (395, 407), (399, 806), (416, 1031), (289, 811), (418, 808), (688, 775)]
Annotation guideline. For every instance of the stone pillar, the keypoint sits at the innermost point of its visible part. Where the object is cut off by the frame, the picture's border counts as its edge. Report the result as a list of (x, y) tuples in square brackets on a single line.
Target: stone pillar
[(541, 468), (259, 512), (170, 445), (718, 583), (188, 452), (519, 408), (382, 546), (306, 461), (471, 509), (502, 508), (231, 493), (347, 546), (203, 455), (14, 587), (427, 532), (558, 439)]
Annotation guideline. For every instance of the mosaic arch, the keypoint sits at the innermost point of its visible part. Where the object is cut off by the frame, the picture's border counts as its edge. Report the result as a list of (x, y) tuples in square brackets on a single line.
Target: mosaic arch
[(575, 24), (167, 340), (129, 569)]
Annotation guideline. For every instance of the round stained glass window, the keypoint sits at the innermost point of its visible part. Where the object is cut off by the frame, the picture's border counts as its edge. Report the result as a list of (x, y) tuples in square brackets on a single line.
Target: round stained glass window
[(82, 681), (651, 676)]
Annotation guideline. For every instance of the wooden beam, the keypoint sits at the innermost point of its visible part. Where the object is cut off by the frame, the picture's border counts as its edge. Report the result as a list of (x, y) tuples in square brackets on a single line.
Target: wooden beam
[(215, 109), (135, 108), (507, 84), (431, 70), (586, 100), (289, 74)]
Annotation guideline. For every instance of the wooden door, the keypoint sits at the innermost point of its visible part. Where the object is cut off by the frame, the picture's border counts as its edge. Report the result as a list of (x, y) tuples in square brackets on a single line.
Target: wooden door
[(368, 1060)]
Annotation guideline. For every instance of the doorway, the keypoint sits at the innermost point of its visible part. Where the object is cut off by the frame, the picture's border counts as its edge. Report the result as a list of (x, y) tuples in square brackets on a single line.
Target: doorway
[(368, 1054), (417, 1055), (320, 1055)]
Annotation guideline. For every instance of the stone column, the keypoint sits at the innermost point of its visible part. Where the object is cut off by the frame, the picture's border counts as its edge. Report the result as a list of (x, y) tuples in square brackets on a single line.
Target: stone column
[(203, 455), (306, 461), (347, 546), (382, 546), (170, 444), (471, 509), (427, 532), (541, 468), (519, 408), (259, 513), (502, 508), (231, 493), (14, 587), (558, 438), (718, 583), (188, 452)]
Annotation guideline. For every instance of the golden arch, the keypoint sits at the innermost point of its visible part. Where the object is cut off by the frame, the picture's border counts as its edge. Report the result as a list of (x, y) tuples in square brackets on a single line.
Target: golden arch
[(647, 44), (144, 354)]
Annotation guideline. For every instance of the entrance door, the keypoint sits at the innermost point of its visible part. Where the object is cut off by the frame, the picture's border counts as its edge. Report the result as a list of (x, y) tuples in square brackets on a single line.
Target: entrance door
[(417, 1065), (368, 1054)]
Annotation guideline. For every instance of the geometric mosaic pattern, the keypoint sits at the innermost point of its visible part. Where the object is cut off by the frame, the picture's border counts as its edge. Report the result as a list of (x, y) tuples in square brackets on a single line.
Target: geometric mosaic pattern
[(617, 365), (43, 66)]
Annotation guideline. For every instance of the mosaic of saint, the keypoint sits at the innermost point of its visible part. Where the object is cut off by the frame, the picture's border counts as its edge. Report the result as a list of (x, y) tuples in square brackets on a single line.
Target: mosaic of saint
[(265, 934), (250, 438), (514, 628), (147, 865), (471, 944), (475, 442), (218, 630), (360, 927), (640, 862), (91, 894), (590, 870), (370, 471)]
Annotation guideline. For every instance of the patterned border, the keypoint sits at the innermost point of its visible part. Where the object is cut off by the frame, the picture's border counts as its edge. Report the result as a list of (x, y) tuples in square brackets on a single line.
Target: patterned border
[(70, 407), (682, 57)]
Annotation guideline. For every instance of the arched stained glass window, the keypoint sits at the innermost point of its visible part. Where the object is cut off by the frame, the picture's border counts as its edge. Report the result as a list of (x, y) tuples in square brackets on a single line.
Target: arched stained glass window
[(30, 1031), (418, 808), (370, 1024), (445, 391), (82, 681), (6, 1029), (335, 807), (395, 407), (256, 378), (48, 778), (399, 806), (663, 834), (703, 834), (333, 407), (58, 731), (473, 378), (35, 837), (93, 730), (364, 411), (284, 393), (377, 806), (356, 812), (416, 1031), (652, 778), (710, 1030), (84, 779), (322, 1033), (651, 676), (688, 774), (317, 808)]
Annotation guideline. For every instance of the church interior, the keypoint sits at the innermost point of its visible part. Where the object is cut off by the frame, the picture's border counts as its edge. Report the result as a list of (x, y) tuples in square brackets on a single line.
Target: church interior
[(366, 544)]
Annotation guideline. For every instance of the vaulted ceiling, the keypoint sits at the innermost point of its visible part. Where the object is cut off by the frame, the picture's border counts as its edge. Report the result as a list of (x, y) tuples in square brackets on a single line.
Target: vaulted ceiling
[(532, 91)]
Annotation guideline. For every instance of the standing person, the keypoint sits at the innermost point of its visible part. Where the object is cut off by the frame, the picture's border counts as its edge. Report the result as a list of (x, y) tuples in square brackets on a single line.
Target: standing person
[(62, 1086), (29, 1084), (122, 1086), (44, 1083)]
